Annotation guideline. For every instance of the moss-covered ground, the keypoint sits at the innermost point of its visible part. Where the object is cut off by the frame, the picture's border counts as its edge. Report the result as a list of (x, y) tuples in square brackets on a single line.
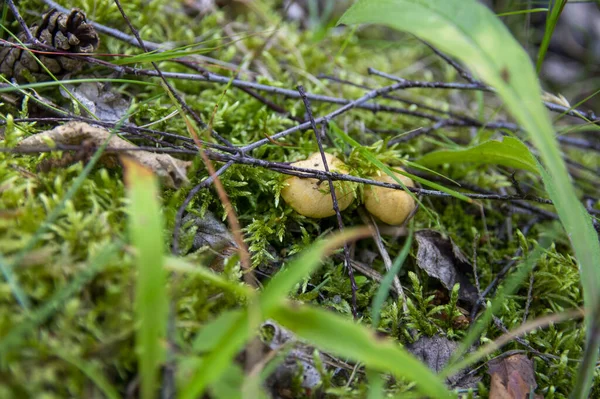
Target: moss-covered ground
[(97, 325)]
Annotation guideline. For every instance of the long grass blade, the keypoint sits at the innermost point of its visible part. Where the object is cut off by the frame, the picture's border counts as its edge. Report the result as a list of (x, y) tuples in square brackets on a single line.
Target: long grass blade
[(469, 31), (151, 296)]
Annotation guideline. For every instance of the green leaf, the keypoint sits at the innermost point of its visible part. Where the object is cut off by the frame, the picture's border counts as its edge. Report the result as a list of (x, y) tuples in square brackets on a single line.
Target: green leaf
[(510, 152), (151, 297), (338, 335), (234, 331), (208, 338), (469, 31)]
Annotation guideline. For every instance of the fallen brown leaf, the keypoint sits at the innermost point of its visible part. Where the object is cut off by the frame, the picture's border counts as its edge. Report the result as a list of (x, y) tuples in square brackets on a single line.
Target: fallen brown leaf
[(435, 352), (513, 377), (443, 260), (171, 171)]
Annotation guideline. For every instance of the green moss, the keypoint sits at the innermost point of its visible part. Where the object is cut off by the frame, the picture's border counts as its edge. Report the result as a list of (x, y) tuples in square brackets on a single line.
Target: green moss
[(97, 324)]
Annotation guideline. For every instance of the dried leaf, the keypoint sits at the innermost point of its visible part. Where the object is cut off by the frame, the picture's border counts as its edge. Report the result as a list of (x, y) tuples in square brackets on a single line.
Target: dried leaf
[(171, 171), (210, 232), (440, 258), (556, 99), (435, 352), (513, 377), (299, 359), (212, 235), (101, 102)]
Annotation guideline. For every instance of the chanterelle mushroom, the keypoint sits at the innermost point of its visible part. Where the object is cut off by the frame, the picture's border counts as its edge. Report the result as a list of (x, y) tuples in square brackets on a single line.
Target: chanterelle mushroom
[(389, 205), (311, 197)]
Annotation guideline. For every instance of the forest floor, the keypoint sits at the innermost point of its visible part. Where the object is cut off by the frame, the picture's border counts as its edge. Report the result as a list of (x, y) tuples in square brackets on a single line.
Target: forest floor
[(484, 233)]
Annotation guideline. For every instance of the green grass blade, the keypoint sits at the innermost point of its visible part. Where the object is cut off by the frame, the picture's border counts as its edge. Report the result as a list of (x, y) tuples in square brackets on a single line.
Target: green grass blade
[(469, 31), (386, 283), (518, 12), (575, 106), (92, 372), (234, 329), (303, 265), (551, 21), (338, 335), (58, 299), (183, 51), (233, 332), (39, 85), (586, 369), (376, 385), (181, 266), (433, 172), (508, 288), (208, 338), (510, 152), (151, 302), (3, 20), (13, 283)]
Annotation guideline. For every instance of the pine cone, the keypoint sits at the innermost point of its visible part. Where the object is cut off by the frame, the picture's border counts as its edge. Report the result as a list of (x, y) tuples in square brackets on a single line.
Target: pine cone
[(67, 33)]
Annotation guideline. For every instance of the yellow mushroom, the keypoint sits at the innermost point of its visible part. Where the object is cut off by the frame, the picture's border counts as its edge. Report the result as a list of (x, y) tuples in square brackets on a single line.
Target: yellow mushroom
[(389, 205), (311, 197)]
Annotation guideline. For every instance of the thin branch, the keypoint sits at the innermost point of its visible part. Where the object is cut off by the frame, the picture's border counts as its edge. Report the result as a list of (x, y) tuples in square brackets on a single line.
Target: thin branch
[(297, 171), (385, 256), (170, 88), (336, 206), (461, 71), (32, 39), (587, 116)]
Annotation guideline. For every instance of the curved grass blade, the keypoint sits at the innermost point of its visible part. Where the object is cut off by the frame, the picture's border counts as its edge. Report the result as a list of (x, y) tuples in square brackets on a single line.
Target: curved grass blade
[(303, 265), (39, 85), (529, 11), (551, 21), (236, 327), (336, 334), (508, 288), (92, 372), (181, 266), (472, 33)]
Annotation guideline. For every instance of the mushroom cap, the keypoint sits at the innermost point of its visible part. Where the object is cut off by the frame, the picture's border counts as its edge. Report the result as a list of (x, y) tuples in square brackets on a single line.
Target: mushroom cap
[(311, 197), (389, 205)]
